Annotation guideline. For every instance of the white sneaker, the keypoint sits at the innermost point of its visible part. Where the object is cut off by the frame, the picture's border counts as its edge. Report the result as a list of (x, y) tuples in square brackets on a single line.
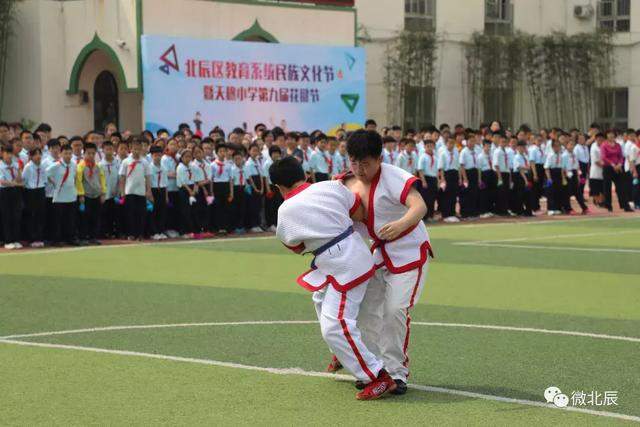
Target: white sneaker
[(485, 215), (10, 246), (162, 236), (451, 219), (172, 234), (155, 237), (187, 236), (17, 245), (256, 230), (272, 229)]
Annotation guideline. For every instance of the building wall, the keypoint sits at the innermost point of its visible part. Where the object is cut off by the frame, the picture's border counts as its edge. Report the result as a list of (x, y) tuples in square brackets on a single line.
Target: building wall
[(455, 23), (50, 36)]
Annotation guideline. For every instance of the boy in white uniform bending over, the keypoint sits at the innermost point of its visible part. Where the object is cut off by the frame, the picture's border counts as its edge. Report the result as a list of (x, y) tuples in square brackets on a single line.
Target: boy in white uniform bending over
[(317, 219)]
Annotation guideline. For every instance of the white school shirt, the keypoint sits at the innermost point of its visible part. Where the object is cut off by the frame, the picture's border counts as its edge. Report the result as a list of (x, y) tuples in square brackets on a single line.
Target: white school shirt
[(265, 169), (201, 171), (569, 161), (34, 176), (389, 157), (220, 171), (159, 177), (634, 154), (170, 165), (582, 153), (553, 161), (595, 172), (238, 175), (313, 215), (469, 158), (500, 160), (625, 152), (341, 164), (135, 173), (321, 162), (408, 162), (449, 160), (184, 175), (306, 157), (428, 164), (8, 172), (535, 155), (484, 161), (252, 168), (520, 161), (63, 177), (111, 176)]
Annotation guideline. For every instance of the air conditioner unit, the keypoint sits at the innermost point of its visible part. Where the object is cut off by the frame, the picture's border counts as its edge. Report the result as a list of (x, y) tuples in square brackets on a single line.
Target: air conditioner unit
[(583, 12)]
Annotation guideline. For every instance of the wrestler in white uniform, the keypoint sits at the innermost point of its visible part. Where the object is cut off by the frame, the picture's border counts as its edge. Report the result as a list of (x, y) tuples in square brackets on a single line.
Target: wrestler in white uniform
[(317, 218), (401, 270)]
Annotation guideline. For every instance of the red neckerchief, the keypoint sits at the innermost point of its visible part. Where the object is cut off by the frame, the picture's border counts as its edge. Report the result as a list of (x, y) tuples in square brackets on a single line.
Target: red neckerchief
[(431, 157), (66, 174), (132, 167), (20, 164), (329, 161), (241, 177), (90, 164), (37, 175), (189, 172), (220, 167), (304, 154)]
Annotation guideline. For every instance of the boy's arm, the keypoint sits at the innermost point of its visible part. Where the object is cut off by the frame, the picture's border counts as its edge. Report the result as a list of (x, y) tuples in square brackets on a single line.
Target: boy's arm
[(417, 210), (230, 189), (103, 184), (79, 184)]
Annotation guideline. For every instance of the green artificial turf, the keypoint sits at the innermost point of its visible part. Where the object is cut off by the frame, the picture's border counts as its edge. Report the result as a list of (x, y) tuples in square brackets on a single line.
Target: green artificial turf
[(250, 280)]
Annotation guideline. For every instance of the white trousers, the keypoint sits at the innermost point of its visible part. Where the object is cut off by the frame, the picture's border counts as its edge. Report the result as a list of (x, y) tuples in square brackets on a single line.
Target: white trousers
[(337, 312), (384, 317)]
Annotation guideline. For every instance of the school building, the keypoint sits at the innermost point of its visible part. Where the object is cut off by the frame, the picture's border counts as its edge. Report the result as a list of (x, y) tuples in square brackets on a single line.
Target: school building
[(76, 64), (455, 21)]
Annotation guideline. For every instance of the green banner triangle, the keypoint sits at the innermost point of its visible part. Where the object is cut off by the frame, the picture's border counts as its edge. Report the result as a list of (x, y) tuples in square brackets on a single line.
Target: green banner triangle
[(350, 100)]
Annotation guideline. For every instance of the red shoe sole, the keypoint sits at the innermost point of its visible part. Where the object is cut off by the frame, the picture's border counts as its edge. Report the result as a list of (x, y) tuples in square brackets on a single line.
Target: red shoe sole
[(361, 396)]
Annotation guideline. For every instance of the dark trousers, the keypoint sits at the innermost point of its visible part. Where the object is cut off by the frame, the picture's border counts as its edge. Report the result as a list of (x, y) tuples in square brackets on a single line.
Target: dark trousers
[(36, 210), (321, 177), (611, 176), (220, 209), (239, 206), (200, 213), (64, 217), (487, 195), (108, 220), (90, 219), (429, 195), (502, 194), (575, 189), (555, 193), (183, 212), (523, 195), (172, 211), (538, 186), (159, 214), (11, 213), (253, 204), (135, 208), (469, 195), (450, 193), (50, 227), (636, 188), (271, 205)]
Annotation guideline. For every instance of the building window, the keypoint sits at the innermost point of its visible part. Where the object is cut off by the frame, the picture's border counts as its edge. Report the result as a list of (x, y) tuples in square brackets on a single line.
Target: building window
[(419, 106), (498, 104), (105, 100), (614, 15), (613, 108), (498, 17), (419, 15)]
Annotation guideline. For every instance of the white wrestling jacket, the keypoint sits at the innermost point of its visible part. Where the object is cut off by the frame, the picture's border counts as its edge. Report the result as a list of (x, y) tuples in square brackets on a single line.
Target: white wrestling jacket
[(387, 197), (316, 219)]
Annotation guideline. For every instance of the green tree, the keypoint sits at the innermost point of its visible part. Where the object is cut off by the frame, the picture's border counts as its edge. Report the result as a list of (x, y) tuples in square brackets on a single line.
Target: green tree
[(8, 10)]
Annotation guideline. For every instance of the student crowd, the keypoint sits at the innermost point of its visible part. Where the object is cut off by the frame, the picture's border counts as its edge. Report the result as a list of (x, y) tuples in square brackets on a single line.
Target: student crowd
[(108, 184)]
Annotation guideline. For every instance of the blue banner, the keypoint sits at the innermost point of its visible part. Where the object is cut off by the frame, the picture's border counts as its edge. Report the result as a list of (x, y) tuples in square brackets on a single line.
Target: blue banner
[(208, 83)]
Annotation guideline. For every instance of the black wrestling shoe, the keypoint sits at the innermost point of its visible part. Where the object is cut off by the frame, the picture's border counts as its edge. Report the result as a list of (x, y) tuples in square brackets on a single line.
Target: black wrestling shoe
[(400, 389), (360, 385)]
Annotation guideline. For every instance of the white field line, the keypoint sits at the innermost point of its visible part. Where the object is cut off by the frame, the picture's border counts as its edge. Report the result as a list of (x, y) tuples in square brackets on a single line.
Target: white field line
[(310, 322), (271, 236), (551, 237), (560, 248), (301, 372)]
